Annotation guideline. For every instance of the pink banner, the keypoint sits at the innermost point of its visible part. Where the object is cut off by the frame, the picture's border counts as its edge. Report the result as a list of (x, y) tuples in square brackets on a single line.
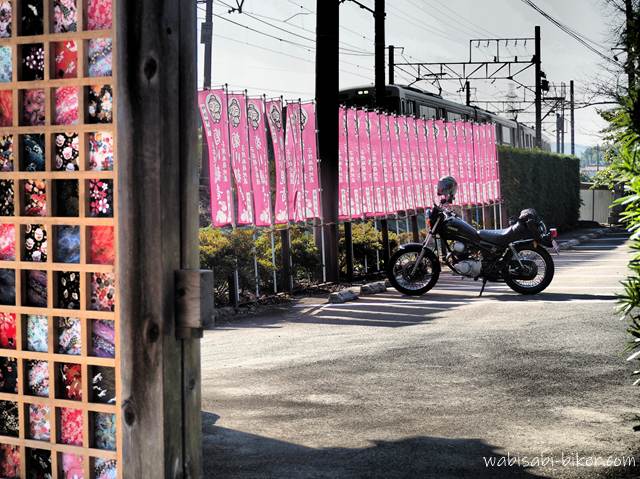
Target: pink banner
[(484, 169), (259, 161), (414, 160), (368, 207), (452, 152), (213, 110), (293, 149), (405, 158), (274, 110), (494, 149), (387, 162), (377, 172), (344, 212), (355, 178), (432, 151), (238, 133), (396, 164), (471, 173), (463, 182), (311, 177), (441, 148), (425, 167)]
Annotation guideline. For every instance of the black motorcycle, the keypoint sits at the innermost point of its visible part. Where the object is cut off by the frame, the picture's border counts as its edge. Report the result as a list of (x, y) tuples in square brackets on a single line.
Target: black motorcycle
[(516, 255)]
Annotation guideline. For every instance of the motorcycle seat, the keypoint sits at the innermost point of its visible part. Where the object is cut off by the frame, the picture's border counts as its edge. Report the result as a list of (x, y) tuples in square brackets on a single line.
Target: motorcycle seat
[(502, 237)]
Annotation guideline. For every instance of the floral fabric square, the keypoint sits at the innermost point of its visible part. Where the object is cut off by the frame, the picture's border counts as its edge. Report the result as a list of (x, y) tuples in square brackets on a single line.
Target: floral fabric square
[(105, 468), (72, 466), (35, 243), (67, 198), (66, 106), (36, 283), (37, 333), (101, 245), (6, 65), (33, 152), (32, 18), (6, 153), (67, 247), (99, 57), (10, 458), (69, 336), (6, 198), (71, 382), (8, 375), (6, 15), (6, 108), (67, 146), (32, 66), (38, 378), (104, 431), (103, 292), (68, 290), (103, 385), (71, 426), (33, 107), (100, 104), (35, 198), (8, 287), (65, 16), (39, 423), (66, 59), (9, 419), (101, 151), (38, 464), (7, 242), (7, 331), (101, 198), (103, 339), (99, 14)]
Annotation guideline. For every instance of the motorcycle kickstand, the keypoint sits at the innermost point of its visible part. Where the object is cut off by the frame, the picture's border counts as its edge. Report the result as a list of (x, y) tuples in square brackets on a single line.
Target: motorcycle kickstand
[(484, 283)]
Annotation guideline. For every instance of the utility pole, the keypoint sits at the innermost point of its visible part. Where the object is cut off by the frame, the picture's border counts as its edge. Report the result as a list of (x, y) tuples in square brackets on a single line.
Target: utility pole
[(467, 87), (206, 38), (538, 89), (573, 118), (562, 123), (392, 65), (381, 92), (327, 88), (558, 132), (630, 67)]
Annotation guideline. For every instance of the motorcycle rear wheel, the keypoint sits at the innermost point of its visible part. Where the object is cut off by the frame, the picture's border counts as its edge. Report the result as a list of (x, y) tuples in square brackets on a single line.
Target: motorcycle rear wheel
[(401, 264), (542, 258)]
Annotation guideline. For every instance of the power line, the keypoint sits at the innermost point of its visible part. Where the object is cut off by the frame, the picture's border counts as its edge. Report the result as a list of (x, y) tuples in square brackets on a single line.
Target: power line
[(456, 21), (429, 29), (480, 27), (569, 31)]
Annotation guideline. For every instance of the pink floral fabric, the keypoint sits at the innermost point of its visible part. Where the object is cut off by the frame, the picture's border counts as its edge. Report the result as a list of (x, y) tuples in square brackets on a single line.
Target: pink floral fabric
[(7, 331), (101, 198), (72, 466), (65, 16), (103, 292), (67, 106), (71, 426), (39, 424), (66, 58), (6, 107), (35, 198), (99, 14), (7, 242), (9, 459), (5, 18), (101, 151), (33, 108)]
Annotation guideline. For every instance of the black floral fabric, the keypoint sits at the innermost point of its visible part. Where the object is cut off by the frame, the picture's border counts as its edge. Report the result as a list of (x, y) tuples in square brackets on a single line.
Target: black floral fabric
[(9, 419), (33, 158), (32, 18), (8, 375), (67, 203), (37, 289), (32, 68), (67, 149), (100, 104), (7, 287), (69, 290), (103, 385), (6, 198), (38, 464), (35, 243)]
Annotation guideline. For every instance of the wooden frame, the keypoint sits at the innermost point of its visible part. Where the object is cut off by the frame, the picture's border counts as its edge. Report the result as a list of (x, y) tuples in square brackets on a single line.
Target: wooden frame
[(83, 221)]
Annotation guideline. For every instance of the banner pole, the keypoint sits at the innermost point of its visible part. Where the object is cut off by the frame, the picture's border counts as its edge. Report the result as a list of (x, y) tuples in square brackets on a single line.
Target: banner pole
[(235, 293), (323, 257)]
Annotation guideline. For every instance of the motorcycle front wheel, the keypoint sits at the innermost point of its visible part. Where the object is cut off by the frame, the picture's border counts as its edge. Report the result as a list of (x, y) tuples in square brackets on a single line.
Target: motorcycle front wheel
[(411, 280), (541, 261)]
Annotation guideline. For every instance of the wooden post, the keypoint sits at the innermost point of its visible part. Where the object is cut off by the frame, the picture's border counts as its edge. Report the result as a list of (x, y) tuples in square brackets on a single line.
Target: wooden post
[(386, 250), (160, 374), (415, 230), (287, 277), (348, 245)]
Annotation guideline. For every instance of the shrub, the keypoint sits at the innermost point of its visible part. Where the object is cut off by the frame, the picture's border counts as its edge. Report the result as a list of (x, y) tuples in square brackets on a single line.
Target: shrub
[(548, 182)]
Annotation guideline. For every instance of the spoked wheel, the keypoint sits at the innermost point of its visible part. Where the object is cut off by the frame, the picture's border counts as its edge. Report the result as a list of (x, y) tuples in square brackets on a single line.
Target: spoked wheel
[(408, 278), (537, 273)]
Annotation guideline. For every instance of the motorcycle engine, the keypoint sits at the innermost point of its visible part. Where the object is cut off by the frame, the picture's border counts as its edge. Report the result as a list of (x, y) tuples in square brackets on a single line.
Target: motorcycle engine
[(465, 262)]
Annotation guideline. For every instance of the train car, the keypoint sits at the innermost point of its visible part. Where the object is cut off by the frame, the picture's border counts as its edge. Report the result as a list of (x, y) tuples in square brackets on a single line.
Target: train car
[(407, 100)]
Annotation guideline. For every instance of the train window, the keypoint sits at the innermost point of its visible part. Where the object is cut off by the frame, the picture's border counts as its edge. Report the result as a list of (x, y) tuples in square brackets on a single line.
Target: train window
[(427, 112), (410, 106), (403, 107), (453, 116), (506, 135)]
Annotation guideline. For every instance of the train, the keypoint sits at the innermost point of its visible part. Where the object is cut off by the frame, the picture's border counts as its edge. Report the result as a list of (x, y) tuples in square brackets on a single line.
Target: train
[(408, 100)]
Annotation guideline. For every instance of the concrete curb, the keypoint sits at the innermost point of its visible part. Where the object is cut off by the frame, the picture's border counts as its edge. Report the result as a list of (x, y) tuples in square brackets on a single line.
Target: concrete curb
[(373, 288), (343, 296), (570, 244)]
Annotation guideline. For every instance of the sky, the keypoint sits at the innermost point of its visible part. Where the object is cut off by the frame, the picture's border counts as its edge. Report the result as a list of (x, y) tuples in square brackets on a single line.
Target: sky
[(428, 30)]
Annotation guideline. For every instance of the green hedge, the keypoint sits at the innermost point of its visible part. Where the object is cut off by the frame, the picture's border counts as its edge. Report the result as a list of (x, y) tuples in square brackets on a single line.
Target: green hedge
[(538, 179)]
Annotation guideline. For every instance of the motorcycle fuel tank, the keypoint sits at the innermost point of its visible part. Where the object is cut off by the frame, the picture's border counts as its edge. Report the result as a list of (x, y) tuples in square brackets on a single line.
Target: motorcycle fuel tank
[(456, 227)]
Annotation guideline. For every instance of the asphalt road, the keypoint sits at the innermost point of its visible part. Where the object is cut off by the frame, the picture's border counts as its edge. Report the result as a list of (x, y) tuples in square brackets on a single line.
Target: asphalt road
[(433, 387)]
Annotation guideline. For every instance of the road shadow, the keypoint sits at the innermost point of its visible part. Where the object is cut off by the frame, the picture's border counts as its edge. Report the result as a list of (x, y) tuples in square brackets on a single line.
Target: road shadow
[(234, 454)]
